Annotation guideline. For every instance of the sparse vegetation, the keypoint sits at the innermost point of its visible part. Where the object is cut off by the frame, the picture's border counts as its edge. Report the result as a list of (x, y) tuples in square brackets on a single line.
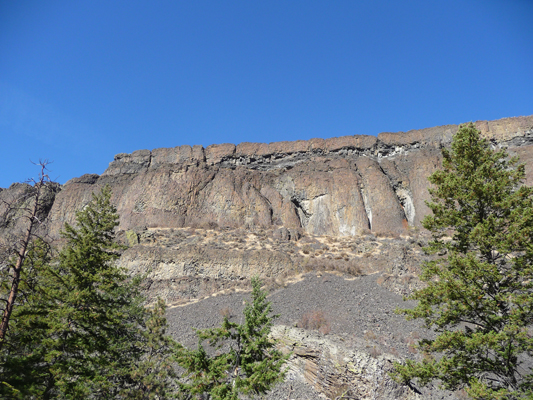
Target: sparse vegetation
[(315, 320), (389, 234), (307, 249), (370, 335), (245, 360), (324, 264), (226, 312), (375, 351)]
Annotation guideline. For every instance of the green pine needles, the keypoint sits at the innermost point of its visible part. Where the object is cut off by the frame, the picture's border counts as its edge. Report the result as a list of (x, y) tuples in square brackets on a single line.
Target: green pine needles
[(80, 330), (244, 361), (479, 291)]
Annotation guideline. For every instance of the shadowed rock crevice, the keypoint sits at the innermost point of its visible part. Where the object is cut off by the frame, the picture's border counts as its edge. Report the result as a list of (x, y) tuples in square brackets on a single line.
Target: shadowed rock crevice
[(368, 210), (400, 186), (303, 214)]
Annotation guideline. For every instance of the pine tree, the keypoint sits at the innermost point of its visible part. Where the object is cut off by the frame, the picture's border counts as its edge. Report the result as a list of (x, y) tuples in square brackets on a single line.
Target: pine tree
[(479, 290), (22, 370), (250, 365), (153, 375), (83, 331)]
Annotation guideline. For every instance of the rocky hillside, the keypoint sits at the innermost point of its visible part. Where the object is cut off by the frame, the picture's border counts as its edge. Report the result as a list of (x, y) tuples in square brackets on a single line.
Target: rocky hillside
[(330, 225), (206, 219), (342, 332)]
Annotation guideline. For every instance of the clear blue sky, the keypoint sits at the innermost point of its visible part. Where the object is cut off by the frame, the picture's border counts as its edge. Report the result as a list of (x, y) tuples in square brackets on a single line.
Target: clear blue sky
[(83, 80)]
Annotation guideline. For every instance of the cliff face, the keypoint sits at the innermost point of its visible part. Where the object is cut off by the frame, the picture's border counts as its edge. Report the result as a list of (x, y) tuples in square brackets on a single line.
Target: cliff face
[(200, 222), (338, 187)]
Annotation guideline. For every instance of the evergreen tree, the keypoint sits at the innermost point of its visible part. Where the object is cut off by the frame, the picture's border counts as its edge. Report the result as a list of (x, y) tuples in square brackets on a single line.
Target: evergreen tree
[(21, 364), (153, 376), (478, 296), (249, 365), (82, 331)]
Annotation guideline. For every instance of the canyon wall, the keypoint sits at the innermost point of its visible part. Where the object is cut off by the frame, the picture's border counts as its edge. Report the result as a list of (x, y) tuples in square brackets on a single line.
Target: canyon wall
[(340, 186), (200, 222), (203, 220)]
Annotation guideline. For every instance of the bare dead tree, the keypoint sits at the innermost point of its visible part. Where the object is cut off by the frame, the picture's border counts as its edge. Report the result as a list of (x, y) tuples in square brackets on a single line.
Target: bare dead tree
[(30, 211)]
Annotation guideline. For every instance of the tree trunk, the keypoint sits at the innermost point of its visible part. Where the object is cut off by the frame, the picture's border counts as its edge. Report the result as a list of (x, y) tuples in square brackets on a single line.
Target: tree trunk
[(21, 255)]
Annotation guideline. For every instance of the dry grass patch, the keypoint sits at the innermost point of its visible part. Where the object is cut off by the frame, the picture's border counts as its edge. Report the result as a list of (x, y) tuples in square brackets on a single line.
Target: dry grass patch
[(226, 312), (348, 267), (370, 335), (315, 320), (375, 352)]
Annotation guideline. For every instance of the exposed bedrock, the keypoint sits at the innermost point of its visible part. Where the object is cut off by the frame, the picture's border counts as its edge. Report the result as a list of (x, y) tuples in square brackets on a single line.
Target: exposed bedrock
[(16, 204), (339, 186), (191, 272), (337, 371)]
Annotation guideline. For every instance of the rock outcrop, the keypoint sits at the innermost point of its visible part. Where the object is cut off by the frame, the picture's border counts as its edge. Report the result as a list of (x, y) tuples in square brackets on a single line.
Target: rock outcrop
[(337, 371), (338, 186), (16, 203), (202, 221), (181, 265)]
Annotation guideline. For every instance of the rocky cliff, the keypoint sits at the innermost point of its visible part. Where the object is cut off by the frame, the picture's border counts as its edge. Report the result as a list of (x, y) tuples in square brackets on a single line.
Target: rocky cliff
[(340, 186), (200, 222), (249, 202)]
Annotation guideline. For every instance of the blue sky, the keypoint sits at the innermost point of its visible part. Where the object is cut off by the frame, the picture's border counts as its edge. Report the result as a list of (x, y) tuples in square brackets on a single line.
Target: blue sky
[(81, 81)]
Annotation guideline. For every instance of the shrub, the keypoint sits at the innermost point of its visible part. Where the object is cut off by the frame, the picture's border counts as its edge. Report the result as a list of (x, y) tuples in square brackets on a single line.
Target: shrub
[(307, 249), (315, 320), (349, 267), (388, 234), (370, 335), (226, 312), (375, 351)]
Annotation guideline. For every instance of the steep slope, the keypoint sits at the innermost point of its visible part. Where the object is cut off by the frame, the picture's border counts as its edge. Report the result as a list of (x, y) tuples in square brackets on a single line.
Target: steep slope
[(340, 186), (270, 209), (200, 222)]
